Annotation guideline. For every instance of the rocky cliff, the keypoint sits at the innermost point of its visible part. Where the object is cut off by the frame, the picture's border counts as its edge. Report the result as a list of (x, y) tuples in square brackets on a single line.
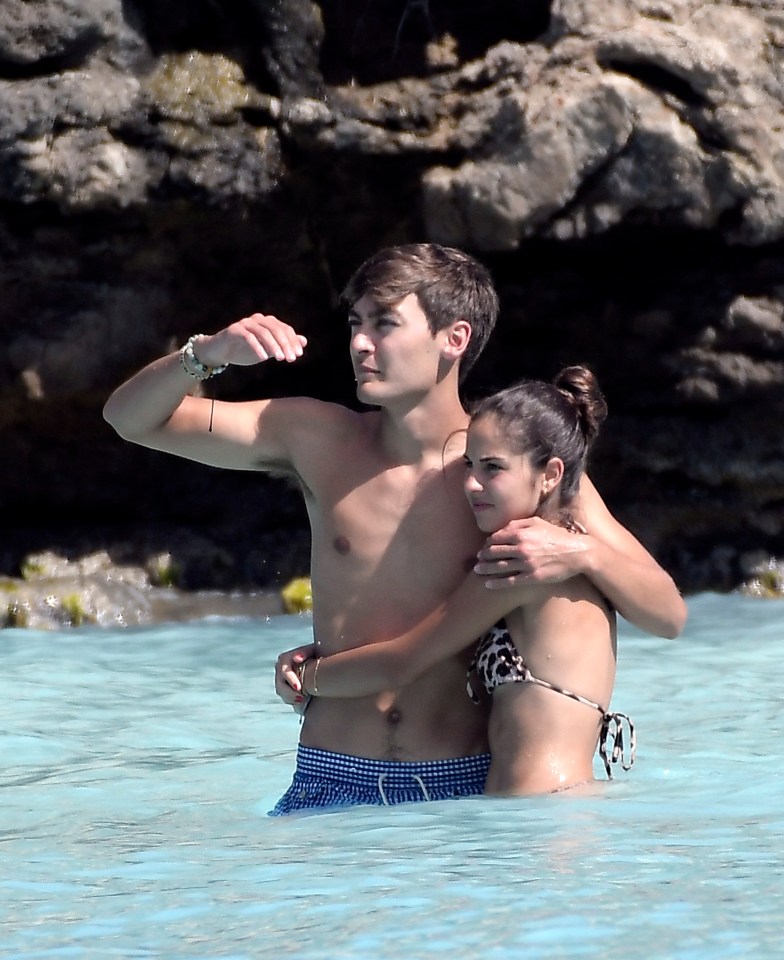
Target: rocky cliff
[(167, 167)]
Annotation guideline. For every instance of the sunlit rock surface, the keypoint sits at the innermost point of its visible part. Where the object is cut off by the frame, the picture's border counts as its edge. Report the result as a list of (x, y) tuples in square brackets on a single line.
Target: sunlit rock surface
[(167, 168)]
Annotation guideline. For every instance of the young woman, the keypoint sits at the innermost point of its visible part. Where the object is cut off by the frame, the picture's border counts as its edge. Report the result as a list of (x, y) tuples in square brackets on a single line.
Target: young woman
[(549, 664)]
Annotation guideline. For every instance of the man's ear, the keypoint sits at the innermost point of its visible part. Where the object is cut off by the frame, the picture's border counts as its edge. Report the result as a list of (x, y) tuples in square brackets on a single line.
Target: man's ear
[(457, 337)]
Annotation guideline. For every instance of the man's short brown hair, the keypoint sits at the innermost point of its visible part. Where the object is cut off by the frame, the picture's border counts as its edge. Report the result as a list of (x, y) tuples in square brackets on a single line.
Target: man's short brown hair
[(450, 286)]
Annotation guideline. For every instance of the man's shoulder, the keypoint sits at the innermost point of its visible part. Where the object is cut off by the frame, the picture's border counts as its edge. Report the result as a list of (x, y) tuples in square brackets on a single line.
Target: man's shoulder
[(326, 442), (319, 423)]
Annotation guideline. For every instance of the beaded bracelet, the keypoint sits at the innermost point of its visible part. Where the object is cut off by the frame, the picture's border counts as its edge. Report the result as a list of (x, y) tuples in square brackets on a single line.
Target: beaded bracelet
[(191, 364)]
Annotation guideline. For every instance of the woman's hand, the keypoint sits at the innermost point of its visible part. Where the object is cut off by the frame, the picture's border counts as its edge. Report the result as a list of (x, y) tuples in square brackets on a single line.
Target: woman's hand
[(287, 682)]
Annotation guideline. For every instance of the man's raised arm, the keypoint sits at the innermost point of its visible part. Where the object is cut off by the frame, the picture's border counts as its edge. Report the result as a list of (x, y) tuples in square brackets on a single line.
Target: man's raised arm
[(615, 561), (155, 409)]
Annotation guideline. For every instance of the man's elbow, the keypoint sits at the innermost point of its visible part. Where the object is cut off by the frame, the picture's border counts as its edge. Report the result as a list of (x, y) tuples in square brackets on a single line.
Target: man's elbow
[(666, 620), (113, 412), (675, 624), (112, 416)]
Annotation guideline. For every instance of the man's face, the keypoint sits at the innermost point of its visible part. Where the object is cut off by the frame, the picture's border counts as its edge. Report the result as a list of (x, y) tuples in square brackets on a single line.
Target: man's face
[(393, 352)]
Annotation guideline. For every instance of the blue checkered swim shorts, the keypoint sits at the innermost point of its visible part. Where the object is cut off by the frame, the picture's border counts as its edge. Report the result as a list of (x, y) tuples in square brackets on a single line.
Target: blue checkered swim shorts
[(324, 779)]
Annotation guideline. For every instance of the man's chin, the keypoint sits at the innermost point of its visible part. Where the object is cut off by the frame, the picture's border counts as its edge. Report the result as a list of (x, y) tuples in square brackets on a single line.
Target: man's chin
[(366, 396), (368, 387)]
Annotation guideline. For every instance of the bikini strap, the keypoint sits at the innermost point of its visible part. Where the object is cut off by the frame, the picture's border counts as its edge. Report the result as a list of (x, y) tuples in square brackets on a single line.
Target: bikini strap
[(613, 731), (528, 677), (613, 724)]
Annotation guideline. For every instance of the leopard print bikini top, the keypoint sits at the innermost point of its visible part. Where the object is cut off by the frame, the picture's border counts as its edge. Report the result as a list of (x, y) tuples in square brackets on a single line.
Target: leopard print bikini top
[(497, 661)]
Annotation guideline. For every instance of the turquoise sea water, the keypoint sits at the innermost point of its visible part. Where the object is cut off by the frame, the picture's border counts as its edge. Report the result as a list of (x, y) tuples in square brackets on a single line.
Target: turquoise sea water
[(138, 766)]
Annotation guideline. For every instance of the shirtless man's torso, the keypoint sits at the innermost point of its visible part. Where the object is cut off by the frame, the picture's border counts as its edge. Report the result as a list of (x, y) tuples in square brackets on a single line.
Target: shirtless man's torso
[(389, 542)]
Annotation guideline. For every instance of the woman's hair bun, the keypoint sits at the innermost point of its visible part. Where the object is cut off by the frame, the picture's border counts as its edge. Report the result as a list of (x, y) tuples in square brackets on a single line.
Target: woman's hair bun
[(581, 385)]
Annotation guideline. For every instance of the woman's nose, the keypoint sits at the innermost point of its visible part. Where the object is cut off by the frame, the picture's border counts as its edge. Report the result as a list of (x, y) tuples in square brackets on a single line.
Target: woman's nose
[(471, 484)]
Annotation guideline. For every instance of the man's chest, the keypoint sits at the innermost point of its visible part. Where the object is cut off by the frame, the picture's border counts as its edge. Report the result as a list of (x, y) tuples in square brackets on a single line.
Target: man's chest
[(408, 523)]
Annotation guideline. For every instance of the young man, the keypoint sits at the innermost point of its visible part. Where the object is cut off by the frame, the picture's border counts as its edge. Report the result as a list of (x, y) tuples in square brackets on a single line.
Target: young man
[(392, 534)]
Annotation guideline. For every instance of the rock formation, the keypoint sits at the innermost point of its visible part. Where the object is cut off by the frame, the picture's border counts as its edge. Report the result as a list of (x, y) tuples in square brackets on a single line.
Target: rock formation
[(165, 168)]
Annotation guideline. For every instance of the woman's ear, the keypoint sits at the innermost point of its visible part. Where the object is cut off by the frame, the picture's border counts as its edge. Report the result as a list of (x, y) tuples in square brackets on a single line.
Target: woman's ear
[(553, 474), (457, 338)]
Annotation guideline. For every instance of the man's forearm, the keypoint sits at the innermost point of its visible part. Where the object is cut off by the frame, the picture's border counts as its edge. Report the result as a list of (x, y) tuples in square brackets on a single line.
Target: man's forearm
[(626, 573), (146, 401), (639, 589), (535, 551)]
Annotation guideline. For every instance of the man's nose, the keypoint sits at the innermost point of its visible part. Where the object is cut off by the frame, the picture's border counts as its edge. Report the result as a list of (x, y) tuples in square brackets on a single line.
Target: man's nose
[(361, 342)]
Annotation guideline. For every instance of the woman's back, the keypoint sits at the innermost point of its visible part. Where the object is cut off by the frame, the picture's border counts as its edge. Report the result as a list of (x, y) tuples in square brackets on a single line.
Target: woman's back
[(541, 739)]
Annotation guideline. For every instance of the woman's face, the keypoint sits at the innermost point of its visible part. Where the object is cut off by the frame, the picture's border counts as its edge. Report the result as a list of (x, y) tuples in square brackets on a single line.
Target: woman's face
[(501, 485)]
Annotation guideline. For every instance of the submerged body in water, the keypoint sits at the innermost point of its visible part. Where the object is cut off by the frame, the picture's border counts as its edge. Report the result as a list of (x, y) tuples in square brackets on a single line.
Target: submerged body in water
[(139, 767)]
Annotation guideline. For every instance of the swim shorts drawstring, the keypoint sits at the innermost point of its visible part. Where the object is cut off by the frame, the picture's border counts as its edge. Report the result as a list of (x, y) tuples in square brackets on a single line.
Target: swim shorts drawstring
[(422, 787), (415, 777), (381, 789)]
